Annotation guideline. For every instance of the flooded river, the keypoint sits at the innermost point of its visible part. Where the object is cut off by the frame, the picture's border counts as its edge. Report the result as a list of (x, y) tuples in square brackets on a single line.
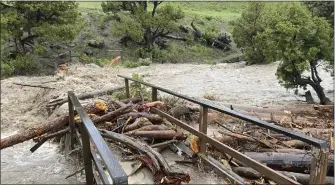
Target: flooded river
[(22, 107)]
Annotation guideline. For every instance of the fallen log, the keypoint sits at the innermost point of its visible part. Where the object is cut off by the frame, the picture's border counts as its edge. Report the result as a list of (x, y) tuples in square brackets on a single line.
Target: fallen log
[(166, 134), (139, 122), (297, 144), (150, 128), (134, 100), (247, 172), (84, 96), (154, 161), (165, 143), (35, 131), (304, 178), (246, 137), (112, 116), (153, 118), (284, 150), (41, 140), (29, 85), (132, 143), (292, 162), (250, 173), (52, 135)]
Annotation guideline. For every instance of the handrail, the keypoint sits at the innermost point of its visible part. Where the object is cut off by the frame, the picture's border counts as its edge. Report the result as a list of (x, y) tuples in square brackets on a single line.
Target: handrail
[(312, 141), (87, 127)]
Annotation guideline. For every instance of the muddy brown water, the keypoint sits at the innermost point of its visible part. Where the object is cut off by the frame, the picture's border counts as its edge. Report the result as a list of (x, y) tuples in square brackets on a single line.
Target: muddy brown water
[(22, 107)]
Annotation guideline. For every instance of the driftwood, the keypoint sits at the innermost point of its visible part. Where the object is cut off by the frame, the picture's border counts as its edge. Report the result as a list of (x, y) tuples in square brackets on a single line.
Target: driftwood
[(44, 138), (134, 100), (250, 173), (150, 128), (139, 122), (287, 161), (154, 161), (304, 178), (36, 131), (29, 85), (165, 143), (297, 144), (84, 96), (165, 134), (153, 118), (132, 143), (111, 116), (247, 172), (246, 137), (284, 150)]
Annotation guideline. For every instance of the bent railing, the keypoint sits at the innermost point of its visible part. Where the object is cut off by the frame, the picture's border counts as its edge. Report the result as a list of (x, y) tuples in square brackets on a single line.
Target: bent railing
[(320, 156), (90, 135)]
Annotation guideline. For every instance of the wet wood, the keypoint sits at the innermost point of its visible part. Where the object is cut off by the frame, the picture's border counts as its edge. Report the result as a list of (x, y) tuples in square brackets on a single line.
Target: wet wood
[(153, 118), (284, 150), (165, 143), (112, 116), (35, 131), (139, 122), (288, 161), (247, 172), (84, 96), (30, 85), (304, 178), (154, 161), (297, 144), (245, 137), (165, 134), (150, 128), (272, 174), (131, 143)]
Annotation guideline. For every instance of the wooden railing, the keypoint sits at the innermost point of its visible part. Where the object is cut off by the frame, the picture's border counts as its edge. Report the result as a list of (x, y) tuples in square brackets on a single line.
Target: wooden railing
[(90, 135), (320, 151)]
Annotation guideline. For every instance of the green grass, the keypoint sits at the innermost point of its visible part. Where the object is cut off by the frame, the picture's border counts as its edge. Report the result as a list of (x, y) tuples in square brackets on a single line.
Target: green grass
[(222, 10)]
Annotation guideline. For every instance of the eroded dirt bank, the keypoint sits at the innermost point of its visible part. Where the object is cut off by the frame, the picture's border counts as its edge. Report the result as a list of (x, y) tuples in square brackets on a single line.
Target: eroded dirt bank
[(24, 106)]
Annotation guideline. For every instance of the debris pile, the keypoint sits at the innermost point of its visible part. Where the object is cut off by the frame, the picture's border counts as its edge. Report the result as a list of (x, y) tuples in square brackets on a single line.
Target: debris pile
[(143, 135)]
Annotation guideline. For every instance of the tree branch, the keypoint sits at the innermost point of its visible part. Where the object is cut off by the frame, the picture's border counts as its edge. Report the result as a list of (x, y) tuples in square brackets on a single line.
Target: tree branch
[(156, 3), (312, 72), (173, 37), (28, 38), (316, 73)]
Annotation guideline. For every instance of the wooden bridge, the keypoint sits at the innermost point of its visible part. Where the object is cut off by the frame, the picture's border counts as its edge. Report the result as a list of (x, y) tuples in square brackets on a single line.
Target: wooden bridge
[(91, 136)]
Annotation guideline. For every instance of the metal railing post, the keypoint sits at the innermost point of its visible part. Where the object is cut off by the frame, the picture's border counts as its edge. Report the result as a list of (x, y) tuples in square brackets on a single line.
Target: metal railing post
[(71, 121), (87, 155), (127, 88), (154, 94), (203, 128)]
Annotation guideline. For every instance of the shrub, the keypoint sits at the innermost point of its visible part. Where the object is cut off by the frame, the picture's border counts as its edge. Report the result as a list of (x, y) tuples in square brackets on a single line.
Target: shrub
[(25, 65)]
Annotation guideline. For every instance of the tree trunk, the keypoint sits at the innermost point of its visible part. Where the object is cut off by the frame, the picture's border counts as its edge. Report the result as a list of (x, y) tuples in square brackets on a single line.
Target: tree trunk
[(149, 39), (309, 98), (19, 47), (321, 95), (36, 131)]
